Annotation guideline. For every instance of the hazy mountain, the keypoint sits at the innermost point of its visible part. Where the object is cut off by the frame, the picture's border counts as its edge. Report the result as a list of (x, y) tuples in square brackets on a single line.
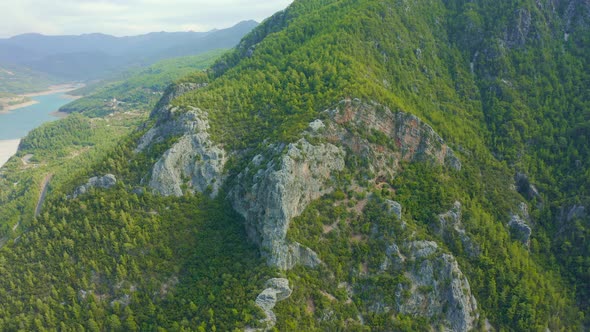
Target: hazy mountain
[(93, 56)]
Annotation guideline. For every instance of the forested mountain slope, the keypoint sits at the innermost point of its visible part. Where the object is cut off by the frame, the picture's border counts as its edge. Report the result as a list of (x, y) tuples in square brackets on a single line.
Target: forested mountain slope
[(351, 165)]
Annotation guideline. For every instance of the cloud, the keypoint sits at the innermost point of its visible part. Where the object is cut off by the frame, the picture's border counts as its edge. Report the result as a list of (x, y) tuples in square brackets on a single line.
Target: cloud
[(129, 17)]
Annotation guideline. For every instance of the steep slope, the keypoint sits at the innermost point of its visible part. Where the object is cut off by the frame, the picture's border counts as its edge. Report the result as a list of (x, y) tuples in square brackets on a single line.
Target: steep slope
[(533, 76), (378, 156), (401, 55)]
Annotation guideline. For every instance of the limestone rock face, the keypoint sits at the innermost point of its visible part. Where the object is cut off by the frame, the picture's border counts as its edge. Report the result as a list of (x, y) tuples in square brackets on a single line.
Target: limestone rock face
[(576, 16), (279, 184), (450, 225), (269, 193), (193, 163), (104, 182), (384, 139), (316, 125), (438, 288), (394, 207), (277, 289), (518, 33), (519, 227), (394, 137)]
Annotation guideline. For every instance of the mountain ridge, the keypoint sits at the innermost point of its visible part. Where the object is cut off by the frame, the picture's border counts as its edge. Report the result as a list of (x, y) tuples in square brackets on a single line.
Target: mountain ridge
[(386, 176), (92, 56)]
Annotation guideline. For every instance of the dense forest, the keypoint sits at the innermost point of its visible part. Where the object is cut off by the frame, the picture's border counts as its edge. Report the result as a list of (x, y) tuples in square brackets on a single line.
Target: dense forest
[(62, 148), (504, 84)]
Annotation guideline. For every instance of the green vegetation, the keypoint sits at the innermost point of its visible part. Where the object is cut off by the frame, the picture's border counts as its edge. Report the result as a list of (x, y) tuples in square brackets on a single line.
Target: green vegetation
[(62, 147), (16, 79), (506, 100), (142, 263), (500, 118), (59, 148), (141, 88)]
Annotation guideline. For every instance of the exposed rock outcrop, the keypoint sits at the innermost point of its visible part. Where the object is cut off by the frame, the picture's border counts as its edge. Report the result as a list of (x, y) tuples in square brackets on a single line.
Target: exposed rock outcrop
[(279, 185), (575, 212), (576, 16), (193, 163), (518, 33), (394, 208), (385, 137), (269, 193), (450, 225), (437, 288), (277, 289), (104, 182), (519, 227)]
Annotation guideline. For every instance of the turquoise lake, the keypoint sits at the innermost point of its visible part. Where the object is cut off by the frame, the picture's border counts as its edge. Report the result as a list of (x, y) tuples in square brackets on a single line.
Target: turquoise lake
[(16, 124)]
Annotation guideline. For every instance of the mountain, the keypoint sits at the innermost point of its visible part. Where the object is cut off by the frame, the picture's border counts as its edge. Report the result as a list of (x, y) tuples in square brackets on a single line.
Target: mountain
[(17, 79), (138, 88), (351, 165), (94, 56)]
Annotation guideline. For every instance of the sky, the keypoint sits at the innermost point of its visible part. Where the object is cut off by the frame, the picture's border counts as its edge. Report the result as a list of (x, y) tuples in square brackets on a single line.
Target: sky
[(128, 17)]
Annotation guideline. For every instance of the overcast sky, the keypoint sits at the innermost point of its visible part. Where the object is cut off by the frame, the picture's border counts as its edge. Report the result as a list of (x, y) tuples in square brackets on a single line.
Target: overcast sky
[(128, 17)]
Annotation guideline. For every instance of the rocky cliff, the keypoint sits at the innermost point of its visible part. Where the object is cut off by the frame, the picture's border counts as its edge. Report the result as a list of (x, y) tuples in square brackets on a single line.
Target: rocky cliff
[(519, 225), (438, 288), (277, 289), (193, 162), (270, 192), (279, 183)]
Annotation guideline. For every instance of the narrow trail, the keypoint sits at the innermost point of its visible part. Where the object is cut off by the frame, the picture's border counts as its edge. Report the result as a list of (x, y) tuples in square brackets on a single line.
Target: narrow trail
[(44, 187)]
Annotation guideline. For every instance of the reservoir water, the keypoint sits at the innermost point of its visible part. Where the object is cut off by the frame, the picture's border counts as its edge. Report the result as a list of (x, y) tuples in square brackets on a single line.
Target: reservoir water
[(16, 124)]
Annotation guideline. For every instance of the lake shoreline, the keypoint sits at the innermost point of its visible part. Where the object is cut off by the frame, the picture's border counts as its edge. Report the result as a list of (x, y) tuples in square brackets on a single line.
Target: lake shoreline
[(55, 89), (17, 106), (18, 124), (63, 88)]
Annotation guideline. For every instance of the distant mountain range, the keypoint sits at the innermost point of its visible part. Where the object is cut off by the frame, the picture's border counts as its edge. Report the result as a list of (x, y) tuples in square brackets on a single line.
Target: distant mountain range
[(94, 56)]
